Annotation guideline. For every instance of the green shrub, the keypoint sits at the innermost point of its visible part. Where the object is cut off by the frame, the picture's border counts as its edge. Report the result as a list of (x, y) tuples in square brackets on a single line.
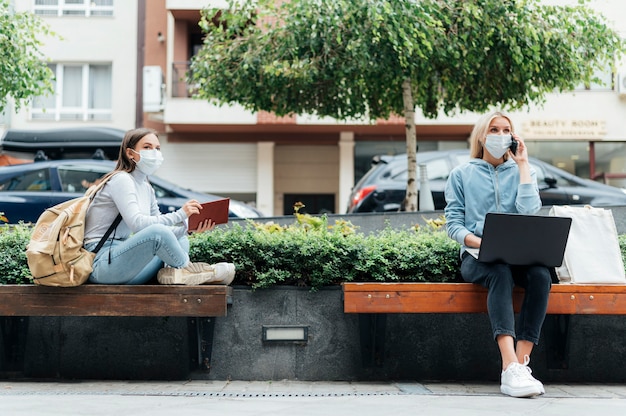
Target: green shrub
[(309, 253), (313, 254), (13, 266)]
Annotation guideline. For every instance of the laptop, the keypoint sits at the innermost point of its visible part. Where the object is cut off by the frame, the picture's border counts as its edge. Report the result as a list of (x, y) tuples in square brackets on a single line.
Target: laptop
[(523, 240)]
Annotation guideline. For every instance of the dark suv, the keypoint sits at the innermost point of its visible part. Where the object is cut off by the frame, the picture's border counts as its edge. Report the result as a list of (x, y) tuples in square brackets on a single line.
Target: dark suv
[(383, 188)]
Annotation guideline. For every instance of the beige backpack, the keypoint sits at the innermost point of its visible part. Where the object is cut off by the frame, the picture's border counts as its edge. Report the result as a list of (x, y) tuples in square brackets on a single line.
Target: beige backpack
[(55, 253)]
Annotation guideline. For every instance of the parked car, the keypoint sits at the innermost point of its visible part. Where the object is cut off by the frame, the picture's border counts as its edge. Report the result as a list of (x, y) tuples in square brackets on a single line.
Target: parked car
[(383, 187), (26, 190)]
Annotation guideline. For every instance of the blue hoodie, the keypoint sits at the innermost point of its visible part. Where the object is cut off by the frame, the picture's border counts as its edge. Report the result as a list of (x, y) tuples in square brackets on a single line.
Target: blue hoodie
[(477, 187)]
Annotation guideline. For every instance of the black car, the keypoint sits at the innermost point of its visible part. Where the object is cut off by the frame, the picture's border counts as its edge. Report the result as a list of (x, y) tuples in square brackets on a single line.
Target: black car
[(383, 188), (26, 190)]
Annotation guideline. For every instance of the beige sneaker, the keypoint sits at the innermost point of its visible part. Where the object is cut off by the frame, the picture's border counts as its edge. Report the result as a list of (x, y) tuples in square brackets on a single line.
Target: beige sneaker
[(198, 274)]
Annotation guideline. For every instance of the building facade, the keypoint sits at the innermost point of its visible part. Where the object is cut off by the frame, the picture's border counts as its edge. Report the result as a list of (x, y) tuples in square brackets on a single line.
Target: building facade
[(144, 47), (94, 62)]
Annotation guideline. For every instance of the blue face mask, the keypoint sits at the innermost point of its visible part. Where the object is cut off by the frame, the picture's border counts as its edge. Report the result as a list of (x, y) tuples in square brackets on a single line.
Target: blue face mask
[(497, 144), (149, 161)]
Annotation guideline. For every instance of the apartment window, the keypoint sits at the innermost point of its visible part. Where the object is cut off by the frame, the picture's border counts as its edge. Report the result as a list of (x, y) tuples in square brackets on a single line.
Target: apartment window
[(81, 92), (73, 7)]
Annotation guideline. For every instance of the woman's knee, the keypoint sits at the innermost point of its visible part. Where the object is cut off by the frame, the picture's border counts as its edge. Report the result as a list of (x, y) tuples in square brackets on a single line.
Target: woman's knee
[(159, 229), (539, 277), (184, 243), (487, 275), (500, 276)]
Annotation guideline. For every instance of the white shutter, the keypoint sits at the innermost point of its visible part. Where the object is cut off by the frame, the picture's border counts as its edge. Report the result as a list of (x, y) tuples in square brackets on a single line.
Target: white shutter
[(215, 168)]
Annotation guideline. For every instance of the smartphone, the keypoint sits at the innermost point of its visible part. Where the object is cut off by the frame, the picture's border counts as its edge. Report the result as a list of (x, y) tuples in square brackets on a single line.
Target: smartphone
[(513, 145)]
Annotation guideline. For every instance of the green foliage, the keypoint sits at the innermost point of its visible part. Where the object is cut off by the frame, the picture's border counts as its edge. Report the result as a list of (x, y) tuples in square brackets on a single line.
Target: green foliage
[(347, 62), (351, 60), (13, 266), (314, 254), (23, 70), (307, 253), (511, 53)]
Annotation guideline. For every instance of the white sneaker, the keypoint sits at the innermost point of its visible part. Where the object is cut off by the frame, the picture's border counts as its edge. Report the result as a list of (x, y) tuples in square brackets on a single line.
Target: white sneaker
[(516, 381), (539, 383), (198, 274)]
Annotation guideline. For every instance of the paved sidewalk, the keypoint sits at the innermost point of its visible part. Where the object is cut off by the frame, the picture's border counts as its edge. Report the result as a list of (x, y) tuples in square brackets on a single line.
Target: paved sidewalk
[(188, 398)]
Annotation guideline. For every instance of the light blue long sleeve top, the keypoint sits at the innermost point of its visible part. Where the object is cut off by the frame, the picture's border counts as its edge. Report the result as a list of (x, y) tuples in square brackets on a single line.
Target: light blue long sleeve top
[(131, 195), (477, 187)]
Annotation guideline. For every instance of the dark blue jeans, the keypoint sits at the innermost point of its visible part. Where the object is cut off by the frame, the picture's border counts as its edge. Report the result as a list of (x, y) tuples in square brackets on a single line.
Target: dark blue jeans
[(500, 279)]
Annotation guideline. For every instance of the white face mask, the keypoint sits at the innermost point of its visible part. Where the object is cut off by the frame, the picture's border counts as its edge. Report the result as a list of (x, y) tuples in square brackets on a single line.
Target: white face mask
[(149, 161), (497, 144)]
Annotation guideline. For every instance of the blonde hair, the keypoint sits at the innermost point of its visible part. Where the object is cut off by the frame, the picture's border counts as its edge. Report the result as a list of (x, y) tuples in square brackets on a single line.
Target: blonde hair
[(480, 132)]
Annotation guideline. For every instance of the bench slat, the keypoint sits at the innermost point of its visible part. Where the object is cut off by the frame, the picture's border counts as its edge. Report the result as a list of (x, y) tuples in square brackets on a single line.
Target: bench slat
[(471, 298), (115, 300)]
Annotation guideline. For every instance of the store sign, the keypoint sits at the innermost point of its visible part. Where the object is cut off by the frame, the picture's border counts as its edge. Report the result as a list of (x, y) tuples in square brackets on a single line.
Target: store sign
[(558, 129)]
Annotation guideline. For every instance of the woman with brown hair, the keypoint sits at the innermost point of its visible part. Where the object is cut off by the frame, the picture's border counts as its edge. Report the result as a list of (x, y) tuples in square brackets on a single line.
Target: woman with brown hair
[(146, 243)]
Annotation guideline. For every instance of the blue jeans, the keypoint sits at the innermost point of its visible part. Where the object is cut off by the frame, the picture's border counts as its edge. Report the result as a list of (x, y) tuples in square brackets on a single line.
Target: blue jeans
[(137, 259), (500, 279)]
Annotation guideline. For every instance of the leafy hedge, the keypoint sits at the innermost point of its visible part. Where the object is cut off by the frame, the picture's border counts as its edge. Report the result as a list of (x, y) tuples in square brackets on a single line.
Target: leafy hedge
[(312, 253), (309, 253), (13, 266)]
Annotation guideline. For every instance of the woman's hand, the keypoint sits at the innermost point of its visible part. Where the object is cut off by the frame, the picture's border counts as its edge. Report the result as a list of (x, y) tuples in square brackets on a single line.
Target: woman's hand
[(521, 154), (521, 158), (192, 207), (472, 241), (206, 225)]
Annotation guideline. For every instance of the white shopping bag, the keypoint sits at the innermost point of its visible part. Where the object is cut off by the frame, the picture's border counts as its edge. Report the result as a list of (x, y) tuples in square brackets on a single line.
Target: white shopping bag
[(592, 254)]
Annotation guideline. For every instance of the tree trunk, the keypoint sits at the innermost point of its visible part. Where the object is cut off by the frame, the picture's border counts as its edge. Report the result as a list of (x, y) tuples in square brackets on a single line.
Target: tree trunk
[(410, 201)]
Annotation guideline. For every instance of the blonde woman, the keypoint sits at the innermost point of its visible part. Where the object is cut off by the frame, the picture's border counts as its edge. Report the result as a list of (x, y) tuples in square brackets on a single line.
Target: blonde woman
[(497, 179)]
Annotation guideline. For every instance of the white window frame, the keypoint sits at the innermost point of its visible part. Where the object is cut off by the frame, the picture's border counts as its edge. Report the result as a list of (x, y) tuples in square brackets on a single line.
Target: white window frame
[(80, 113), (67, 8)]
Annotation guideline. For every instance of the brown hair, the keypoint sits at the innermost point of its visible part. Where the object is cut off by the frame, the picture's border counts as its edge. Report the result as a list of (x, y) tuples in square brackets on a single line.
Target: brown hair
[(480, 132)]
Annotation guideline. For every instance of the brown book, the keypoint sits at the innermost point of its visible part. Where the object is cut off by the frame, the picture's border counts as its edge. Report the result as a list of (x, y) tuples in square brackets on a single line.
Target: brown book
[(217, 211)]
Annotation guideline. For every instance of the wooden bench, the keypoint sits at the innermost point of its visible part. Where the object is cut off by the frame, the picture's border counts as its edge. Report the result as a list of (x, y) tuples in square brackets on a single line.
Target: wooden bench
[(373, 301), (200, 304), (470, 298)]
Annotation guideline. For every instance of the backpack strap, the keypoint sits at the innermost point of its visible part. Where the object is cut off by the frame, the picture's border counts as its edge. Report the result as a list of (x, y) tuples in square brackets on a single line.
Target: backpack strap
[(91, 192), (94, 189), (106, 235)]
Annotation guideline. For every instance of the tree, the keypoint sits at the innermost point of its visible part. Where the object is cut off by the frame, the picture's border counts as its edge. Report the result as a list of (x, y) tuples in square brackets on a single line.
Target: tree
[(368, 59), (23, 70)]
